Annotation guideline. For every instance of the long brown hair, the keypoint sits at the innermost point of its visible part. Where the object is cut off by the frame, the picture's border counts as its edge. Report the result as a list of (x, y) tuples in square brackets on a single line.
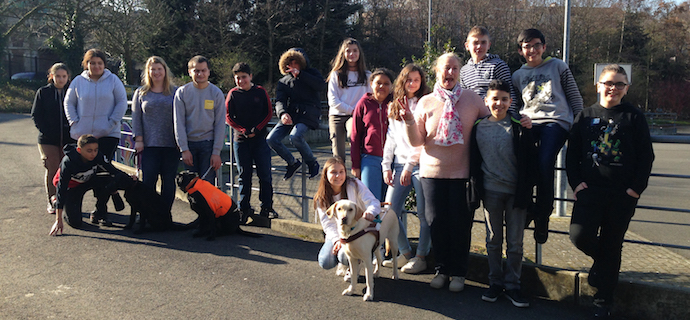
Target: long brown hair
[(339, 64), (324, 195), (147, 83), (399, 91), (58, 66)]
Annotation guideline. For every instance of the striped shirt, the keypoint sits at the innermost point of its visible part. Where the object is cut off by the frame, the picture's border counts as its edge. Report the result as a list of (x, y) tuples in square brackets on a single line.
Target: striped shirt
[(477, 76)]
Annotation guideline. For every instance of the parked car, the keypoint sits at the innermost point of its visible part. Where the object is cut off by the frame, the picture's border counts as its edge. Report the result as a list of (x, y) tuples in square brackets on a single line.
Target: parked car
[(27, 76)]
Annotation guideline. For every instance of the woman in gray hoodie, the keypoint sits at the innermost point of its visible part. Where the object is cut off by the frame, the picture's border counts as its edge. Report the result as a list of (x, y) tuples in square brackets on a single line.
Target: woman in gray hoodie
[(95, 103)]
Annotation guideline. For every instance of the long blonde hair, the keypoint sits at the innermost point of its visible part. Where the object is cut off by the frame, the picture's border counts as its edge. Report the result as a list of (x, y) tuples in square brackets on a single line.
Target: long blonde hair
[(340, 67), (399, 91), (324, 194), (147, 82)]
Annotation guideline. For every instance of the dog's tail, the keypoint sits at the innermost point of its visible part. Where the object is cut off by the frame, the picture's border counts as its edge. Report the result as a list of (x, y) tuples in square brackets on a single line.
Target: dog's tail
[(177, 226)]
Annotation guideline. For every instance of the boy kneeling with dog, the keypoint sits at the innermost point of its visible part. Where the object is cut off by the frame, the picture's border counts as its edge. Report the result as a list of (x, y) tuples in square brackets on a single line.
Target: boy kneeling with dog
[(82, 169)]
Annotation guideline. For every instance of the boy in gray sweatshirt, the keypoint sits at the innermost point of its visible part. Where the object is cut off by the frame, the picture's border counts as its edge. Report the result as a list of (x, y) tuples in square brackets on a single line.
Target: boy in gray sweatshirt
[(199, 120), (548, 94)]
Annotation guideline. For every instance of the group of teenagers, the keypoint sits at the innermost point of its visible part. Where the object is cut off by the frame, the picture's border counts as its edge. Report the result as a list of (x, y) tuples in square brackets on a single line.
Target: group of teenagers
[(485, 136), (480, 135)]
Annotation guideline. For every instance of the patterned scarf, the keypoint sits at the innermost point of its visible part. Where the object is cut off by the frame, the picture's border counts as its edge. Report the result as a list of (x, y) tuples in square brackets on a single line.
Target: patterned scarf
[(449, 131)]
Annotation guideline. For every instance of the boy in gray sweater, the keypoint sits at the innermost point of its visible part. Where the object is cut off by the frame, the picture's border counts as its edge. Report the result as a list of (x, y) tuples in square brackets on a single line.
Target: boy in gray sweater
[(548, 94), (200, 120), (503, 168)]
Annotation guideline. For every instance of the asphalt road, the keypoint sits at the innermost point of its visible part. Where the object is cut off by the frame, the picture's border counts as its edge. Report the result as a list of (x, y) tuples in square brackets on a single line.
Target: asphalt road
[(110, 273)]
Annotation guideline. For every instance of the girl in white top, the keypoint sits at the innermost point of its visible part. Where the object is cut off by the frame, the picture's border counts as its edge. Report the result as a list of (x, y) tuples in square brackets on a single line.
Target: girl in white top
[(401, 168), (333, 186), (347, 83)]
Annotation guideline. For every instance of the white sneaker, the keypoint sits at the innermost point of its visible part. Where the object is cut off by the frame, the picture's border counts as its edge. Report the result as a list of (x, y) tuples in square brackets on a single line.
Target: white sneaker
[(439, 281), (340, 270), (401, 261), (414, 265), (457, 284)]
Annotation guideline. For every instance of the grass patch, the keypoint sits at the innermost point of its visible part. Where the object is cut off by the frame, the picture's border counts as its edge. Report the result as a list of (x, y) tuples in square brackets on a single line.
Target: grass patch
[(18, 96)]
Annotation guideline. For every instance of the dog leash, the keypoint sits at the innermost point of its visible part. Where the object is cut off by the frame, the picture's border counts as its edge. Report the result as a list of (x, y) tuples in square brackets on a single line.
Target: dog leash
[(205, 174)]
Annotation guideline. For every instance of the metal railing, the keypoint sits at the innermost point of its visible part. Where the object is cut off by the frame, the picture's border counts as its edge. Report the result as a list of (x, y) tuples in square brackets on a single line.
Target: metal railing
[(305, 199)]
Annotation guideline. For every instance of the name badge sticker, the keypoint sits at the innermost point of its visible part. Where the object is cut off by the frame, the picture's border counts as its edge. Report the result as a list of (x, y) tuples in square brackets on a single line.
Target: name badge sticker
[(208, 104), (595, 121)]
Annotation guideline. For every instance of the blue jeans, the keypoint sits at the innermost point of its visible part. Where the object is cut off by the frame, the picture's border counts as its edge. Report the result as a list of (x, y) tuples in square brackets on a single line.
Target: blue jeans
[(396, 196), (201, 156), (248, 152), (162, 161), (372, 175), (550, 138), (497, 207), (327, 259), (297, 131)]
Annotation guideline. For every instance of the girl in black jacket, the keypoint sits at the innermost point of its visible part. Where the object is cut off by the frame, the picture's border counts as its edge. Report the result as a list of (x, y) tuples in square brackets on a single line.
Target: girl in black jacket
[(53, 128)]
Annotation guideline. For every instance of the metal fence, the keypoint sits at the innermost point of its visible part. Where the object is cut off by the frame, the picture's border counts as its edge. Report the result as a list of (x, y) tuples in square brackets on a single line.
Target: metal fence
[(293, 197)]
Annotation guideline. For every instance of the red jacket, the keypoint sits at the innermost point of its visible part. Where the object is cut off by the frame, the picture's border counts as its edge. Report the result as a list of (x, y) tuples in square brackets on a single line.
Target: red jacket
[(369, 128)]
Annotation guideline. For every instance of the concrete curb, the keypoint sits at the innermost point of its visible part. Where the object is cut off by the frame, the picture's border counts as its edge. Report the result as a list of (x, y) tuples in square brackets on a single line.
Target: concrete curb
[(633, 300)]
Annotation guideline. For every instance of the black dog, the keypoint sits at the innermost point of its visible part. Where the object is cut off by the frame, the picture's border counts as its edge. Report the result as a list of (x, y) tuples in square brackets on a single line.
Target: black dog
[(151, 208), (218, 213)]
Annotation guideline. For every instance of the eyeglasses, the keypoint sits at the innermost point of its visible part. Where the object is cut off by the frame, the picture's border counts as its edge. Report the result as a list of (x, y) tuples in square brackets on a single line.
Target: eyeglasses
[(536, 46), (611, 84)]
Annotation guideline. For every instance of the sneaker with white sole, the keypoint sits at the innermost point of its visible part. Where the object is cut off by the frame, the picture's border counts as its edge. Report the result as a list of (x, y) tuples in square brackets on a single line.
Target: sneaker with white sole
[(516, 298), (457, 284), (493, 293), (414, 266), (439, 281), (402, 260)]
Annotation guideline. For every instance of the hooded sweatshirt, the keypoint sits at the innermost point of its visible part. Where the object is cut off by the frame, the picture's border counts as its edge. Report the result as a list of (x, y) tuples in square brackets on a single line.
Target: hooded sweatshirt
[(95, 106), (74, 171), (49, 116), (300, 96)]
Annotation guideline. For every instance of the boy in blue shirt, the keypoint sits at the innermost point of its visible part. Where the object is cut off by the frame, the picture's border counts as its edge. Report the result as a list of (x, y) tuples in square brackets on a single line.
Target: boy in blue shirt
[(503, 168), (548, 94)]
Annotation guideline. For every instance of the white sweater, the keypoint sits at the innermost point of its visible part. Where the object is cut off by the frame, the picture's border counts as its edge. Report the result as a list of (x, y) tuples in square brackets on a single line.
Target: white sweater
[(357, 192), (342, 101), (398, 145)]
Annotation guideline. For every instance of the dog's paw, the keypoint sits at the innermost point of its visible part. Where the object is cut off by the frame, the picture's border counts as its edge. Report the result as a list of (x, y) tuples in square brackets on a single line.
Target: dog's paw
[(395, 275), (368, 296), (349, 291)]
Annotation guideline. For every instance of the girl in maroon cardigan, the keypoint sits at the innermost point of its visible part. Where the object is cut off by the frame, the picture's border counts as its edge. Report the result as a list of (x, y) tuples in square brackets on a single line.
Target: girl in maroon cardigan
[(369, 127)]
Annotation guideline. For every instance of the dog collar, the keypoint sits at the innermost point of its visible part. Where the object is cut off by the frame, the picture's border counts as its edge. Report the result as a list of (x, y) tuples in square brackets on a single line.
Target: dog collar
[(191, 184)]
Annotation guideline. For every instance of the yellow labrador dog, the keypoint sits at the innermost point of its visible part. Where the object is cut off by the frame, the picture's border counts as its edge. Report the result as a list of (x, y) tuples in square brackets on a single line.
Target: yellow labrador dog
[(359, 238)]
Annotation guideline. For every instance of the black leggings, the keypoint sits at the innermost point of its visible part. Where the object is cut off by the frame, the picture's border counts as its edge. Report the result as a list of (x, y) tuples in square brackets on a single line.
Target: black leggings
[(601, 216), (450, 220)]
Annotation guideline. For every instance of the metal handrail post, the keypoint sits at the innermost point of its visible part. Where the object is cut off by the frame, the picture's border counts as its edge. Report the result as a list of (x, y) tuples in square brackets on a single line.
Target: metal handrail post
[(305, 201), (561, 184)]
